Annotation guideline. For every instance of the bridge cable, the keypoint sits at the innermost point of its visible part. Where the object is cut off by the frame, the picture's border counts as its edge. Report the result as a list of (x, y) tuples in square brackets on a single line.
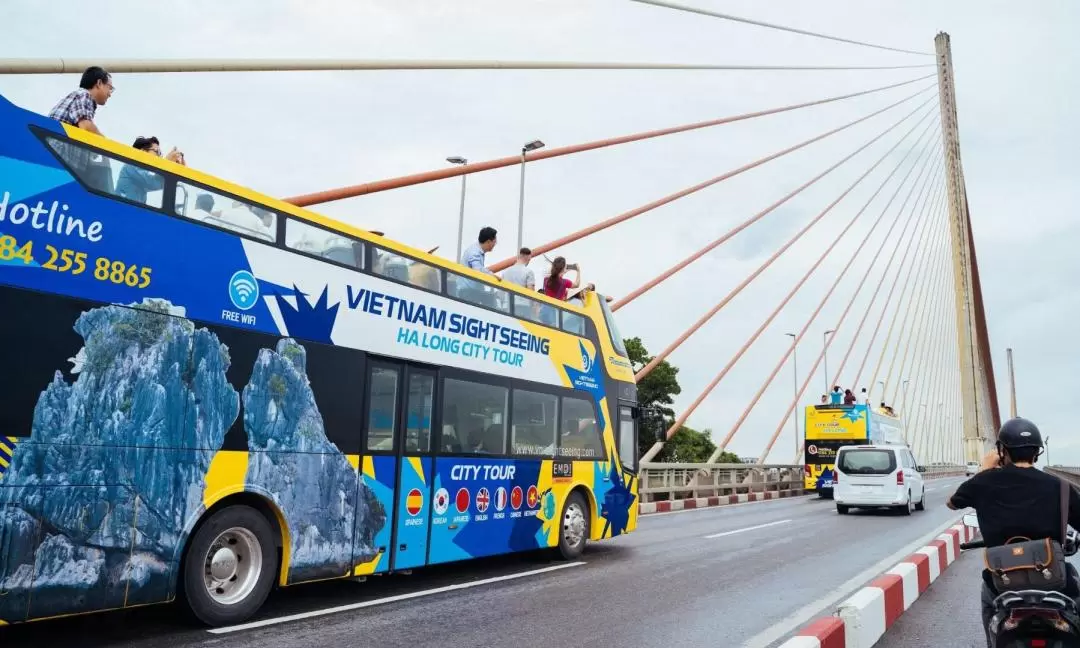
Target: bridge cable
[(929, 372), (888, 299), (731, 363), (353, 191), (731, 433), (644, 371), (760, 23), (836, 328), (625, 216), (652, 283), (919, 312), (908, 395), (906, 310), (924, 196), (925, 375), (920, 375)]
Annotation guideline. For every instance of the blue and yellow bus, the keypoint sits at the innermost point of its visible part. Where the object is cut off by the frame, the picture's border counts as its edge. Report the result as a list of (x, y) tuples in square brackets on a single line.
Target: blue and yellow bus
[(208, 392), (828, 427)]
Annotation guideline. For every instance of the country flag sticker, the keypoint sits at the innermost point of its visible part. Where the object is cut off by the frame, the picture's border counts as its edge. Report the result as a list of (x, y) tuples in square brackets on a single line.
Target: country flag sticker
[(442, 501), (483, 498), (534, 497), (414, 502), (462, 500), (515, 497), (500, 498)]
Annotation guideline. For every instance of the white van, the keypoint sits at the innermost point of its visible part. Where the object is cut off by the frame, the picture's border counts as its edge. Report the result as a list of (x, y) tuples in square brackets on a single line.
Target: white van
[(871, 476)]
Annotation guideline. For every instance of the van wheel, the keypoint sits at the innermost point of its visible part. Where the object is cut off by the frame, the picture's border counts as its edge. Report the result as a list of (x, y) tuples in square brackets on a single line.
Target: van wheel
[(229, 566), (574, 527), (921, 506), (908, 508), (841, 509)]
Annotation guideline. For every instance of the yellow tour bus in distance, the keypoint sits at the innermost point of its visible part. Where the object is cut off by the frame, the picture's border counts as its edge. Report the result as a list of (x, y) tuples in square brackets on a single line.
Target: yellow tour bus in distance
[(828, 427)]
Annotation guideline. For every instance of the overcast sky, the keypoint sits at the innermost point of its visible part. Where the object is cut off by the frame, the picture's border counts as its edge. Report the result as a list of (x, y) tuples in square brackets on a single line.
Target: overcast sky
[(290, 133)]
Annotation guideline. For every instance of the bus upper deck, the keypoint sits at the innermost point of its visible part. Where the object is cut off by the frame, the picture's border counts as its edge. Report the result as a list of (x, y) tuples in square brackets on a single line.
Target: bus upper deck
[(211, 379)]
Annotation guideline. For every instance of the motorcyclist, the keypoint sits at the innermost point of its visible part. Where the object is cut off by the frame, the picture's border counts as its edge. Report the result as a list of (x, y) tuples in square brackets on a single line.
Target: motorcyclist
[(1012, 498)]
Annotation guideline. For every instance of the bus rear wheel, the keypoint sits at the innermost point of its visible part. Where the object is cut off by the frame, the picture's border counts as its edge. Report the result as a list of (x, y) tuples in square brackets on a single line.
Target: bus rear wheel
[(229, 566), (574, 526)]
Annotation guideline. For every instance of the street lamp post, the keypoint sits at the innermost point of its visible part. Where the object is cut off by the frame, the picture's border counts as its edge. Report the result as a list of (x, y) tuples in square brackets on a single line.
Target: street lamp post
[(825, 351), (531, 146), (795, 372), (457, 159)]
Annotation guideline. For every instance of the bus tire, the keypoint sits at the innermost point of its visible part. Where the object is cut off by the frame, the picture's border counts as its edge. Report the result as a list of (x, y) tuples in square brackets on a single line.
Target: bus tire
[(574, 526), (842, 509), (229, 566)]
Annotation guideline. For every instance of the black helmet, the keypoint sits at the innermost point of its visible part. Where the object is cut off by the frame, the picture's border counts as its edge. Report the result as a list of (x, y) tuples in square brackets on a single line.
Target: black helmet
[(1019, 433)]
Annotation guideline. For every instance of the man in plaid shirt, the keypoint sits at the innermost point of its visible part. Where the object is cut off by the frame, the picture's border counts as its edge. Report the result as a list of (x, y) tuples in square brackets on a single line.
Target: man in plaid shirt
[(79, 106), (78, 109)]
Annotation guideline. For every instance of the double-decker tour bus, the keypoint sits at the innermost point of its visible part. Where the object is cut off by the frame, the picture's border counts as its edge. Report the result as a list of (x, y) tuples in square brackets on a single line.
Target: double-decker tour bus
[(211, 392), (828, 427)]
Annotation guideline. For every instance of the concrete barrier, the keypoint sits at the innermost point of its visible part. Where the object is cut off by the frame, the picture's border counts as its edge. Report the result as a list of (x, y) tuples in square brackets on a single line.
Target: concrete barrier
[(862, 619), (666, 506)]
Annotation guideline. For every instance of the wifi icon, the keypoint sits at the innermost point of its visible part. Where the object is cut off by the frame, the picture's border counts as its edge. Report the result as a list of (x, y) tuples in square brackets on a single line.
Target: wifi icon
[(243, 290)]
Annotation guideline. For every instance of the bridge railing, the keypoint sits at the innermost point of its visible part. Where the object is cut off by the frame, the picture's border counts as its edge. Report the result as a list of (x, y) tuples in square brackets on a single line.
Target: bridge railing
[(1070, 474), (671, 481)]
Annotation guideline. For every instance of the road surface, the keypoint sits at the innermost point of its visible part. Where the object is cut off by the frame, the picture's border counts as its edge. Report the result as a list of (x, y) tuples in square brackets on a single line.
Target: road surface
[(744, 575)]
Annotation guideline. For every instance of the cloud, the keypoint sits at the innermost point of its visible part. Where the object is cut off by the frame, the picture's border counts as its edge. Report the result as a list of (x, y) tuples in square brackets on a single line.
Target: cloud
[(290, 133)]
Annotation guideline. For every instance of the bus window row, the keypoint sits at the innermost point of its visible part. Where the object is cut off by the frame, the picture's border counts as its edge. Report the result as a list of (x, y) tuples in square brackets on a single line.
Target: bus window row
[(115, 177), (480, 419)]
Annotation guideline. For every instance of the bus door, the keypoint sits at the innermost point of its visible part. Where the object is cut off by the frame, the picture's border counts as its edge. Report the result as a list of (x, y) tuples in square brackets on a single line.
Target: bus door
[(410, 406)]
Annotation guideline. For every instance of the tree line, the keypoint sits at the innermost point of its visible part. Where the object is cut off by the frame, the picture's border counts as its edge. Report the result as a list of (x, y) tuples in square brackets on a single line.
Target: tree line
[(656, 395)]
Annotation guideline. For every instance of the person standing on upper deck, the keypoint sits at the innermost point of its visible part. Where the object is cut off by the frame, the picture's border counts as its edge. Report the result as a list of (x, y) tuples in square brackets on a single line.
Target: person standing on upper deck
[(79, 107), (473, 256), (519, 273)]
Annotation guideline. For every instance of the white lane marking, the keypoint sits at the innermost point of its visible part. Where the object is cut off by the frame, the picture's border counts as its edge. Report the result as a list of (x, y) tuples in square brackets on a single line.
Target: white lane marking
[(388, 599), (749, 528), (792, 622), (794, 498)]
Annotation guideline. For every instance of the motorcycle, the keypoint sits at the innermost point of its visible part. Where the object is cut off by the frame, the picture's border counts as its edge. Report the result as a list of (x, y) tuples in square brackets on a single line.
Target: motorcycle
[(1032, 618)]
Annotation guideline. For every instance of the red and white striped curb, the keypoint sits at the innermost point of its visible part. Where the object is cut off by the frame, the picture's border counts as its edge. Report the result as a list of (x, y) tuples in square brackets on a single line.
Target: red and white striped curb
[(862, 619), (719, 500), (666, 506)]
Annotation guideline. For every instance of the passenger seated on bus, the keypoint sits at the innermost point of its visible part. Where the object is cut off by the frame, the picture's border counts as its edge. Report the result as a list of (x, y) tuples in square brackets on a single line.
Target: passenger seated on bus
[(449, 439), (836, 397), (425, 276), (849, 397), (824, 399), (135, 182)]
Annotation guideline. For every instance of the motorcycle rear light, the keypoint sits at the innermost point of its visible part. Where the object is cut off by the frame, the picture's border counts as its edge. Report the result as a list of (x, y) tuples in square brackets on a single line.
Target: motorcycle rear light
[(1038, 643)]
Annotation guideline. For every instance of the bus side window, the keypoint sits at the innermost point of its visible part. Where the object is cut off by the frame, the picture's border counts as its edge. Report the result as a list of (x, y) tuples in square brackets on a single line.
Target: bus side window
[(478, 413), (477, 292), (411, 271), (535, 430), (536, 311), (627, 438), (573, 323), (316, 241), (382, 408), (226, 212), (580, 433), (103, 173)]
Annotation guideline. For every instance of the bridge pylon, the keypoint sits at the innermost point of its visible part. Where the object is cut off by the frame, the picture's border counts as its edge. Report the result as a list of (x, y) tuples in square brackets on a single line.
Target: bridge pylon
[(980, 418)]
